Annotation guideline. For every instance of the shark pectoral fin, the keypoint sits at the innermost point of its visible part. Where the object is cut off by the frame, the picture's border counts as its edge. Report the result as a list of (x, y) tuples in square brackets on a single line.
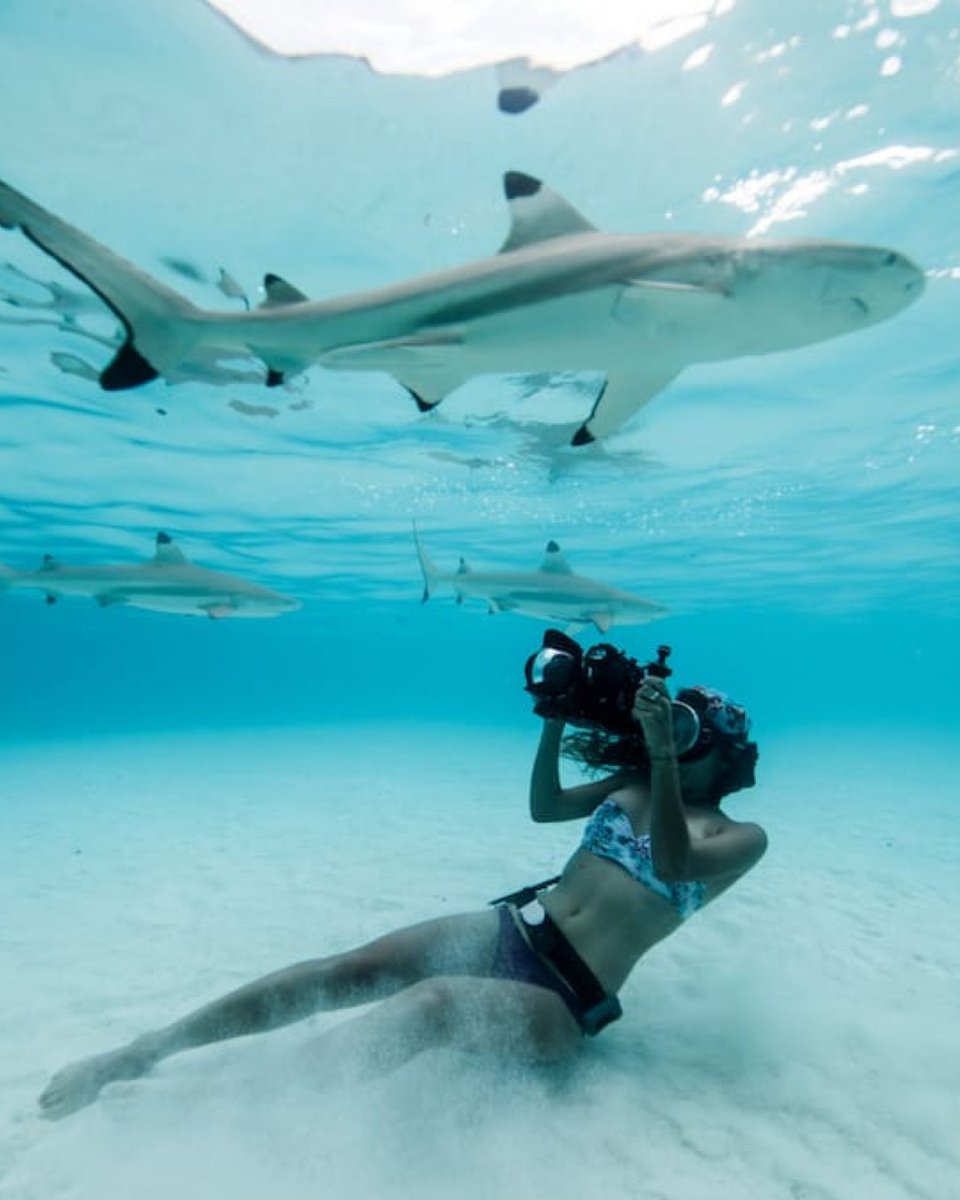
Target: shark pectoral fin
[(553, 560), (603, 621), (494, 607), (573, 627), (537, 213), (168, 553), (620, 397)]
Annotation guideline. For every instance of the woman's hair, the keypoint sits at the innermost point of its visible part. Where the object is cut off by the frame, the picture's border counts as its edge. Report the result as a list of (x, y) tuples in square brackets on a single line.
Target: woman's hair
[(597, 750), (724, 725)]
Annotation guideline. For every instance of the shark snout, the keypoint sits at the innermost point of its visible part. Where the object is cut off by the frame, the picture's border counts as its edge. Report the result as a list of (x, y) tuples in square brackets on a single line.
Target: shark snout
[(872, 283), (276, 602)]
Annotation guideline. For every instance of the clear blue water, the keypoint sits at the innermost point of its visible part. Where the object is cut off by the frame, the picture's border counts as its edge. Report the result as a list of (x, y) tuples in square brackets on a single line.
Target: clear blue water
[(796, 513)]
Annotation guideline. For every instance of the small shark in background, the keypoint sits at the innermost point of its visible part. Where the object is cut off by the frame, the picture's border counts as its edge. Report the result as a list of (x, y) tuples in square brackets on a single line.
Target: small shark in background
[(553, 592), (558, 296), (169, 583)]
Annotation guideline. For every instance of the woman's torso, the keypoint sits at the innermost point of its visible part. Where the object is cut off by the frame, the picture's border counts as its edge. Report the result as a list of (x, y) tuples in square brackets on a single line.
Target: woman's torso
[(610, 917)]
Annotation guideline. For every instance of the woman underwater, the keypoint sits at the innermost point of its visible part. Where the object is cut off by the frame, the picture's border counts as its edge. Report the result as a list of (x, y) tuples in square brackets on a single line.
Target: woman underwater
[(529, 977)]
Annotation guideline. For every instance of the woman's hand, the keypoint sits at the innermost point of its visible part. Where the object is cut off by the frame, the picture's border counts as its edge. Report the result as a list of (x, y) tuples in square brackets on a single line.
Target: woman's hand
[(651, 709)]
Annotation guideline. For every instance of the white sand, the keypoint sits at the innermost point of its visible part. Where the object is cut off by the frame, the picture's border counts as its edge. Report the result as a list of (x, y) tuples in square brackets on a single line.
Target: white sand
[(799, 1039)]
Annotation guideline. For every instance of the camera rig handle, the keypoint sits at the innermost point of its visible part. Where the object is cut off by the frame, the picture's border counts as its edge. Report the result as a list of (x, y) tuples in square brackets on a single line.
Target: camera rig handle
[(659, 666)]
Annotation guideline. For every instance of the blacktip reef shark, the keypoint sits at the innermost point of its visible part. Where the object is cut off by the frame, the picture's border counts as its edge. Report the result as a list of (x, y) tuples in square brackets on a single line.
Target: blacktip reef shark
[(553, 592), (558, 296), (168, 583)]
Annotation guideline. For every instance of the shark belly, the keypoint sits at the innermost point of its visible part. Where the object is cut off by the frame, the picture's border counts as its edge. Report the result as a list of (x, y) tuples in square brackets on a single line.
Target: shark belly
[(566, 333), (184, 606)]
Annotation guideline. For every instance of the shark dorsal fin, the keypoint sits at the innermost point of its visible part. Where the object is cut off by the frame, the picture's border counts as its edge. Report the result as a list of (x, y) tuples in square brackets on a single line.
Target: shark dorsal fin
[(553, 560), (168, 552), (537, 213), (463, 569), (49, 563), (279, 292)]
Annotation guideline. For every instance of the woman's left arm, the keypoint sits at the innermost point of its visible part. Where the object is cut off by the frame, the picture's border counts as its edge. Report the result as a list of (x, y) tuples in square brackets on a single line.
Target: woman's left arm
[(549, 799), (670, 844), (731, 850)]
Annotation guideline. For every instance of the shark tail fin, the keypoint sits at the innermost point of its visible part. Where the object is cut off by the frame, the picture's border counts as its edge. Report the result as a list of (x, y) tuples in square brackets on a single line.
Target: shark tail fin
[(431, 576), (156, 318)]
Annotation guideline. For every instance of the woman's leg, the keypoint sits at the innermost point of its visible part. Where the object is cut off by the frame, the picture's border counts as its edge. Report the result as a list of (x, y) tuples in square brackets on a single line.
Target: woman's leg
[(502, 1019), (450, 946)]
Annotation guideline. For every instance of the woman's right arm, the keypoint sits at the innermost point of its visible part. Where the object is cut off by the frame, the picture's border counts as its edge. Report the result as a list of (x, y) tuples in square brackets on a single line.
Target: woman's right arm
[(549, 801)]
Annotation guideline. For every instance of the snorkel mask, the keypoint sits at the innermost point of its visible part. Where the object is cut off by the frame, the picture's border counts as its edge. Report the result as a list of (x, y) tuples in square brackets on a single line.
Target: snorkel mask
[(720, 721)]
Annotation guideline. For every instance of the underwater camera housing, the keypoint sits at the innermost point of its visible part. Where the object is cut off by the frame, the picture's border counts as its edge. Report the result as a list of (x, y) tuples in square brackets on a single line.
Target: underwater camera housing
[(595, 688)]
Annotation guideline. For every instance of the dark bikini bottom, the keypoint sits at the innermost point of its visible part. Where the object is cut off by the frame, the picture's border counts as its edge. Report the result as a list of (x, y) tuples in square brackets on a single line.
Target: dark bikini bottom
[(548, 960)]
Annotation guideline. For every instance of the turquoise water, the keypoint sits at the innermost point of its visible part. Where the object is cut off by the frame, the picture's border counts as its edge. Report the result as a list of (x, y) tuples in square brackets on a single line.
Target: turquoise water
[(795, 513)]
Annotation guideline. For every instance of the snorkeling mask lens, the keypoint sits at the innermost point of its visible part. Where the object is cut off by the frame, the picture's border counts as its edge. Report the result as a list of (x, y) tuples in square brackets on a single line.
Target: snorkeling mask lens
[(686, 727)]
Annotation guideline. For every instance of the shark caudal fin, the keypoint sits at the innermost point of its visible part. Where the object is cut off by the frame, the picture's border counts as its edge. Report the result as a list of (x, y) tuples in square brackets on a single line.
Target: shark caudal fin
[(431, 575), (155, 318)]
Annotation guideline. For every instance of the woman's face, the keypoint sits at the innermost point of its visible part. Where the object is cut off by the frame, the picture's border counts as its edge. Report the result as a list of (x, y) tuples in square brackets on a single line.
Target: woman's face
[(700, 779)]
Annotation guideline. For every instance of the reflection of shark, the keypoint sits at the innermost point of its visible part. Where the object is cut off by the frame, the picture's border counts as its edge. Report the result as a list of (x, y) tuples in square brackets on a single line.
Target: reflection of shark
[(552, 592), (168, 583), (558, 296)]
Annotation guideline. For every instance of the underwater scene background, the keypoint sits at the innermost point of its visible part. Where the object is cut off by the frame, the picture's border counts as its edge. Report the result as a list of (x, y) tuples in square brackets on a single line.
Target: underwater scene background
[(795, 513)]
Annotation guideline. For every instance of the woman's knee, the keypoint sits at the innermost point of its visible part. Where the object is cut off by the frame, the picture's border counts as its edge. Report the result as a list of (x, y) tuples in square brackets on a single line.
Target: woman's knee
[(553, 1037), (434, 1004), (489, 1016)]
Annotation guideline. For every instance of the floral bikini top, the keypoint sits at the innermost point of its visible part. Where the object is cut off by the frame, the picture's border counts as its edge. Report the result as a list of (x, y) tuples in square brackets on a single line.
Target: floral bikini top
[(609, 834)]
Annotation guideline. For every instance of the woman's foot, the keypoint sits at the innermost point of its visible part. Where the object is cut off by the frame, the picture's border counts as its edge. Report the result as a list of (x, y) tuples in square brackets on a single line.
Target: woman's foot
[(78, 1085)]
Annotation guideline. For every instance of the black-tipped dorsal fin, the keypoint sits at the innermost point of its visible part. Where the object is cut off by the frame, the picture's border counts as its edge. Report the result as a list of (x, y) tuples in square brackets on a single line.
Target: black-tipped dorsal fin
[(49, 563), (463, 568), (279, 292), (537, 213), (554, 561), (168, 552)]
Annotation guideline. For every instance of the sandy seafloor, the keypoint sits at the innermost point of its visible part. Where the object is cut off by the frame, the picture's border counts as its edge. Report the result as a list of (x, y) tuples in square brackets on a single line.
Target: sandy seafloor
[(798, 1039)]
